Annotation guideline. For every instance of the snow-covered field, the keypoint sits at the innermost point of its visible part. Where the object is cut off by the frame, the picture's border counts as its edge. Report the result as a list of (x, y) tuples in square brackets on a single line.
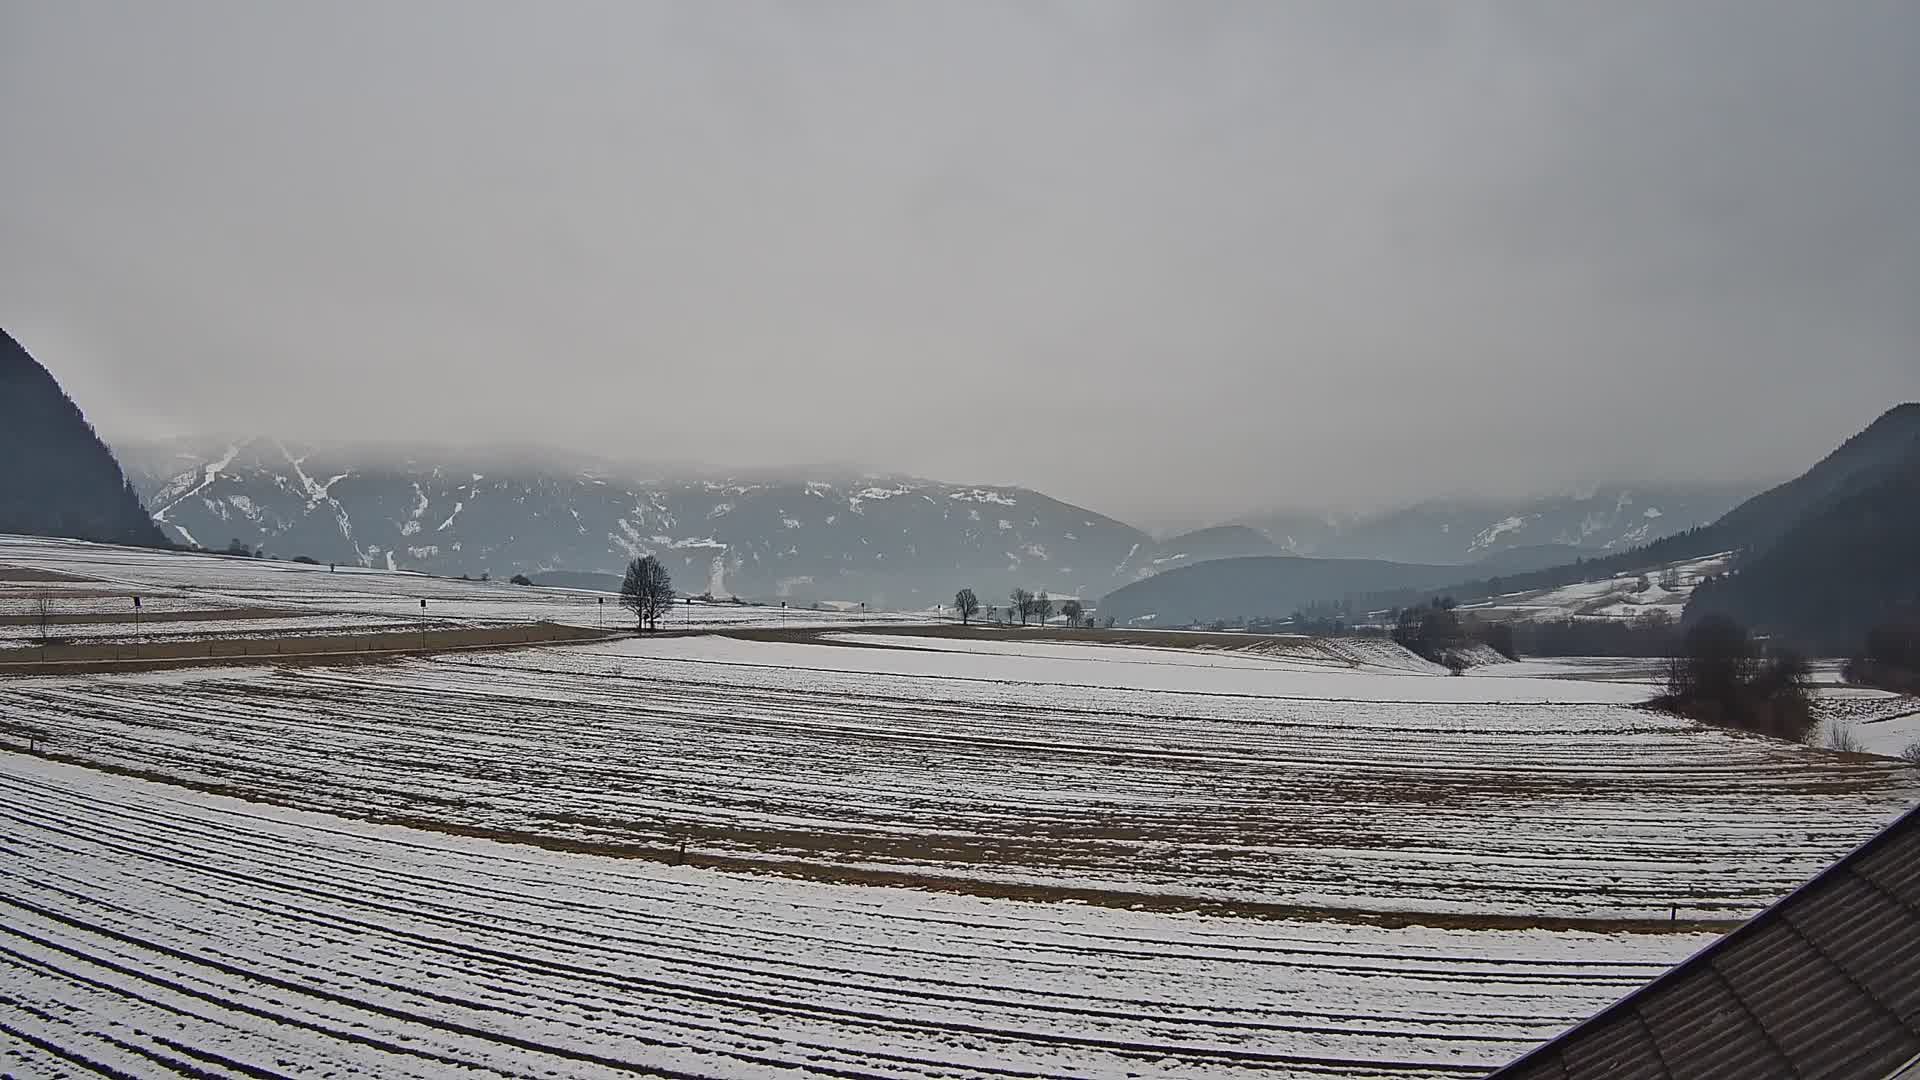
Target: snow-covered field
[(1195, 780), (1611, 598), (152, 930), (1863, 718), (193, 581), (1872, 721)]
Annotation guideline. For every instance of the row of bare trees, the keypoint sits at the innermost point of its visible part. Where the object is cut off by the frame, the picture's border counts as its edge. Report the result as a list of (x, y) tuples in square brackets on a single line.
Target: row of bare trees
[(1021, 604)]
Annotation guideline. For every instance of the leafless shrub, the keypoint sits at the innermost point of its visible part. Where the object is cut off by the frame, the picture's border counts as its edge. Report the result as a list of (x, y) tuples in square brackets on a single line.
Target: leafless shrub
[(1840, 737)]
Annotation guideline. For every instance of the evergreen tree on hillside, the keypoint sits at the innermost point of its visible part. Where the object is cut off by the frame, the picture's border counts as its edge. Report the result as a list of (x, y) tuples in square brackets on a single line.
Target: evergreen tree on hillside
[(60, 479)]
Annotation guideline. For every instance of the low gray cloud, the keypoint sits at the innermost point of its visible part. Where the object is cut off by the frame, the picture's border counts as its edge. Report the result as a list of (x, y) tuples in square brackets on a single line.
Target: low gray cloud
[(1169, 260)]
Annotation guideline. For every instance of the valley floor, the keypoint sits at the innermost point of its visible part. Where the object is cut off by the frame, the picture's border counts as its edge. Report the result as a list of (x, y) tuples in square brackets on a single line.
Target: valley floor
[(852, 853)]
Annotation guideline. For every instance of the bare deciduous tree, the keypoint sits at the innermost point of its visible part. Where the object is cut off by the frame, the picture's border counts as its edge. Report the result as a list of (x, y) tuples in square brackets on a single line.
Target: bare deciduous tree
[(1022, 604), (1072, 609), (967, 604), (647, 591), (1042, 607)]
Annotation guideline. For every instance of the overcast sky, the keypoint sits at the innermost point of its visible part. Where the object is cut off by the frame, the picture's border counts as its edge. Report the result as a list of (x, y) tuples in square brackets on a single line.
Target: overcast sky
[(1167, 260)]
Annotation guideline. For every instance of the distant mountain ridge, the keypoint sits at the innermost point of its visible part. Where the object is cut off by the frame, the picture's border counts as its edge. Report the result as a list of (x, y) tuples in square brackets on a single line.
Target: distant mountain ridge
[(60, 479), (890, 540), (1604, 520)]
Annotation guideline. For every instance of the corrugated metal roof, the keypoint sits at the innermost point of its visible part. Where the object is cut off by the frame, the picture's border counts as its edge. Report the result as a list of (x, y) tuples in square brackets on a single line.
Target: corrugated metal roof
[(1826, 983)]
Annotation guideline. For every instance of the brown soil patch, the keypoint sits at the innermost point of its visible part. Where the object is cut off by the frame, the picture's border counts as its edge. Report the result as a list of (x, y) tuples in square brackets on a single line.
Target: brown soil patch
[(80, 658), (96, 618), (1158, 639), (29, 573)]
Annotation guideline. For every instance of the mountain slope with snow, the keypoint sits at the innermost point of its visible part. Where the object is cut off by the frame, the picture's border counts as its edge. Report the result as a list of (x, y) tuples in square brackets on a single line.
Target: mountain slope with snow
[(1597, 522), (892, 540)]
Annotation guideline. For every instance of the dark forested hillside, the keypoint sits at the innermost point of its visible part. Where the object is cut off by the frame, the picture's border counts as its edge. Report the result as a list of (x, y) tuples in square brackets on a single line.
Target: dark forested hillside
[(1892, 440), (56, 477), (1269, 586), (1845, 567)]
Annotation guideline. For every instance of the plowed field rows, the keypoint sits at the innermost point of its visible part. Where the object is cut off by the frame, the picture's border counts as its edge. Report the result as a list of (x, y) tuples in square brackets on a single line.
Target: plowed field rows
[(1512, 810), (160, 932)]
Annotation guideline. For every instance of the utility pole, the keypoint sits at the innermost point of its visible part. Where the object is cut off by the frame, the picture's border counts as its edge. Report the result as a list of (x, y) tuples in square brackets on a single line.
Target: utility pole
[(423, 624)]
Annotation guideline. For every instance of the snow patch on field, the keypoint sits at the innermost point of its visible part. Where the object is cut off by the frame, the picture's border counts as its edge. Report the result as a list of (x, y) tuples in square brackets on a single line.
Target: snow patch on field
[(1122, 667), (1876, 722), (1619, 597)]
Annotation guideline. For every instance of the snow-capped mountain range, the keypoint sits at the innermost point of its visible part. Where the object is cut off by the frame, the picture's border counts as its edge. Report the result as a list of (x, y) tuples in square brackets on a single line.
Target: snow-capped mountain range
[(887, 540), (828, 535)]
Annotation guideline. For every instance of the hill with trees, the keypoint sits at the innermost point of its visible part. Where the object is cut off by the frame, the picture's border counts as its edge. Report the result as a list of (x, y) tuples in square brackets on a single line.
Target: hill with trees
[(60, 479), (1260, 586), (1846, 566)]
